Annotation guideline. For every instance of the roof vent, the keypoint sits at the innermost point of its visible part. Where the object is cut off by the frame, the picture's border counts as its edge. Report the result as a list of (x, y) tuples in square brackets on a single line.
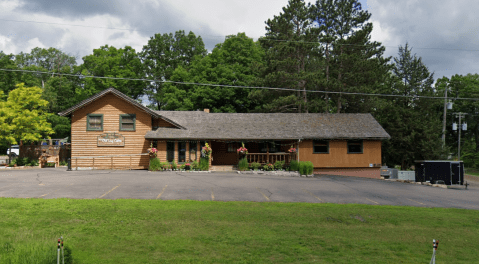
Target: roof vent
[(207, 110)]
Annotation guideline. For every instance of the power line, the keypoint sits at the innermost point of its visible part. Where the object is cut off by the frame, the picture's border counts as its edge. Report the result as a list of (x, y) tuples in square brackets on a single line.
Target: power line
[(212, 36), (235, 86)]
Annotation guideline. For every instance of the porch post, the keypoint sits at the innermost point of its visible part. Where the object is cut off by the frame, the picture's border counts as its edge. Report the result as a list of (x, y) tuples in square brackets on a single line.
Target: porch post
[(267, 152)]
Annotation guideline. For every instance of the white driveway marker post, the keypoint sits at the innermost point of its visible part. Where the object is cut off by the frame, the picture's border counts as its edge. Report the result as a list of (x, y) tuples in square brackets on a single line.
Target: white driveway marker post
[(434, 248), (58, 252)]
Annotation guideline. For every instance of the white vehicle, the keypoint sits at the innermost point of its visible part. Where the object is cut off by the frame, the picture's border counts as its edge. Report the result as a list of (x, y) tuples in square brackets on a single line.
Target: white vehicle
[(15, 150)]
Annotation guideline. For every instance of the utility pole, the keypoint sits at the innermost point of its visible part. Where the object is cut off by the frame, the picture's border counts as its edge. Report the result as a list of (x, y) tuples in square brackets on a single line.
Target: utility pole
[(444, 118), (461, 127)]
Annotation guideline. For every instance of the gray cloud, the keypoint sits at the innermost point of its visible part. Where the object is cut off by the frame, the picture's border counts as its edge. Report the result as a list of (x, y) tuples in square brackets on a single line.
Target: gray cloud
[(435, 30)]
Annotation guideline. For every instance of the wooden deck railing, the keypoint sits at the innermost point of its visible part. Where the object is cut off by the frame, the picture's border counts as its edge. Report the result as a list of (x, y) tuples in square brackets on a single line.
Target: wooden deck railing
[(107, 162), (265, 158)]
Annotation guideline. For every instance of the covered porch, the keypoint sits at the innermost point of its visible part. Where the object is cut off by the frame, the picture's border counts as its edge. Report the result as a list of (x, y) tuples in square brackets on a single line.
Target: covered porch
[(263, 152)]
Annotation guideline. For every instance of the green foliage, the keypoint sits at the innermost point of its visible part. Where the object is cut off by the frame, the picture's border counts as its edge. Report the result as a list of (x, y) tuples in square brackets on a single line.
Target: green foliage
[(174, 165), (230, 63), (34, 253), (195, 165), (204, 164), (306, 167), (182, 167), (165, 165), (255, 165), (23, 116), (278, 165), (163, 55), (112, 62), (268, 167), (155, 164), (294, 165), (62, 163), (243, 164)]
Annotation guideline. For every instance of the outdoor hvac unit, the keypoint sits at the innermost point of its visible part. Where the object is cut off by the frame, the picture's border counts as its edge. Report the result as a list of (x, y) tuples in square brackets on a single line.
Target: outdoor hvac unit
[(389, 173), (407, 175)]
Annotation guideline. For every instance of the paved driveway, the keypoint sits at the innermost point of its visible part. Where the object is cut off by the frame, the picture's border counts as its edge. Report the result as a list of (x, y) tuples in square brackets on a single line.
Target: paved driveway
[(58, 183)]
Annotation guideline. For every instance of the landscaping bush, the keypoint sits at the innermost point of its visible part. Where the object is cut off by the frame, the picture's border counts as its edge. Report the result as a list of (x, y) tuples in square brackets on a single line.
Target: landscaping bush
[(62, 163), (278, 165), (182, 167), (294, 165), (306, 167), (165, 165), (195, 165), (155, 164), (174, 165), (23, 161), (204, 164), (268, 167), (255, 165), (243, 164)]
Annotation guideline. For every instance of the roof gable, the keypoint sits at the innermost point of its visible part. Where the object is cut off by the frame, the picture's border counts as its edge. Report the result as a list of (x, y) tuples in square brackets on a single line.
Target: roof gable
[(120, 95)]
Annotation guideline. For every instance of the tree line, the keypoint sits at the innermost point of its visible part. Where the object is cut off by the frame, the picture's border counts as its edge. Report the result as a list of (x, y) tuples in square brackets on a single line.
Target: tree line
[(316, 54)]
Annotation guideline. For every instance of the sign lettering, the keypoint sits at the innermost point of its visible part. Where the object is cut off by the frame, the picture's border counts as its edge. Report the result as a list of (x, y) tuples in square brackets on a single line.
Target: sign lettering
[(111, 140)]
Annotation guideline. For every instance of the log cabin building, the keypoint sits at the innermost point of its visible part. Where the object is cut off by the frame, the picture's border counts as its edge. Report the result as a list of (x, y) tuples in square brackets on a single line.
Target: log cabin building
[(111, 130)]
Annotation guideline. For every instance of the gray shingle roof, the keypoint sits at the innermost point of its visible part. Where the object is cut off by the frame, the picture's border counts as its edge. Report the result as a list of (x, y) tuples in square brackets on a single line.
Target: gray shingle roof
[(201, 125)]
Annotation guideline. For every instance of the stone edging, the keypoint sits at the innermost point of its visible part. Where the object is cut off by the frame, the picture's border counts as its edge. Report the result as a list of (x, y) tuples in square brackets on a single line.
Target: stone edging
[(164, 171), (277, 173), (426, 183)]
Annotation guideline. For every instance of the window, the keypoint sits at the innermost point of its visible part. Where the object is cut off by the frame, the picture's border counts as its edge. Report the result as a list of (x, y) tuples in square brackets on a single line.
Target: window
[(170, 151), (127, 122), (94, 122), (355, 146), (181, 151), (320, 146), (231, 147), (193, 150)]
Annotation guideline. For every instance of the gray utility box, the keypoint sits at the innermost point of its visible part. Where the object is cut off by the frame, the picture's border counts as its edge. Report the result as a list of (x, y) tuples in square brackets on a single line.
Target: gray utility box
[(407, 175), (389, 173)]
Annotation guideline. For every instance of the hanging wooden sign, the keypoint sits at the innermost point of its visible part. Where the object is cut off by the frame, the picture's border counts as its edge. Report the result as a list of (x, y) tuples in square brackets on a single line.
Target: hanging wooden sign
[(111, 140)]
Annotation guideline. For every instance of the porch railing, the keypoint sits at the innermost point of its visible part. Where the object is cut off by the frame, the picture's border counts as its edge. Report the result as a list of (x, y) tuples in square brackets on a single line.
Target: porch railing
[(265, 158)]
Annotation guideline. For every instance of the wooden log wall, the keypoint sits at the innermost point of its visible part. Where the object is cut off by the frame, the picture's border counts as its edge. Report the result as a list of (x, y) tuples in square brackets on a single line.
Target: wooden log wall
[(84, 143), (338, 156)]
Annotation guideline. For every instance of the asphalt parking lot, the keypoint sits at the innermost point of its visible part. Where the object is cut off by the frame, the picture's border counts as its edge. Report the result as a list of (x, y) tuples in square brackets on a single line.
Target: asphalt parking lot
[(58, 183)]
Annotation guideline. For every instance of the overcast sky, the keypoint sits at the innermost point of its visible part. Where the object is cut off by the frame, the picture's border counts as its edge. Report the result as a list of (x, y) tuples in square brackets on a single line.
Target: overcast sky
[(443, 33)]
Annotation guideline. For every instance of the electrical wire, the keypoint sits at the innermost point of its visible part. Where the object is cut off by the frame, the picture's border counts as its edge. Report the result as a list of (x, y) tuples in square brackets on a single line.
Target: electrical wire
[(236, 86)]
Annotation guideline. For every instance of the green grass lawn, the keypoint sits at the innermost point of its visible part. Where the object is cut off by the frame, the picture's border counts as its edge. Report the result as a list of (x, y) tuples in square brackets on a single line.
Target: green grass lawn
[(155, 231)]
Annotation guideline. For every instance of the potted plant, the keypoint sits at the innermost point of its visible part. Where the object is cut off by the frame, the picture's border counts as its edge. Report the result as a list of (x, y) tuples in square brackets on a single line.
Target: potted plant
[(292, 150), (187, 166), (242, 150)]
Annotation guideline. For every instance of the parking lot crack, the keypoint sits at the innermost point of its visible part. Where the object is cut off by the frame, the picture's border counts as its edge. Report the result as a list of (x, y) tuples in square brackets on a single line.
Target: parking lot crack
[(38, 179)]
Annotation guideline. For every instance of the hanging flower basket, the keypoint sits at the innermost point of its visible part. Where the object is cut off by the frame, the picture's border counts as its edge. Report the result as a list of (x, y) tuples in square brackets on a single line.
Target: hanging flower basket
[(292, 150), (153, 152), (242, 150)]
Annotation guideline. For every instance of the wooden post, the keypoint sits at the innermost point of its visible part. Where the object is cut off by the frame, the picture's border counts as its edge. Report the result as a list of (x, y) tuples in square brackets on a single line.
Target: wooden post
[(267, 152), (76, 163), (130, 162), (93, 163), (112, 163)]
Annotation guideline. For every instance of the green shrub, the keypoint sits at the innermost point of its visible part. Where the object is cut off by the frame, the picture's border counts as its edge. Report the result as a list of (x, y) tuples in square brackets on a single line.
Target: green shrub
[(12, 163), (174, 165), (243, 164), (165, 165), (155, 164), (278, 165), (195, 165), (268, 167), (294, 165), (62, 163), (204, 164), (306, 167), (23, 161), (255, 165), (182, 167)]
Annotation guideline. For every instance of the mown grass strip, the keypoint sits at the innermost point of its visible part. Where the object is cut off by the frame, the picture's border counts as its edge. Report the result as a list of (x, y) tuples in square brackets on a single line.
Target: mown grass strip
[(157, 231)]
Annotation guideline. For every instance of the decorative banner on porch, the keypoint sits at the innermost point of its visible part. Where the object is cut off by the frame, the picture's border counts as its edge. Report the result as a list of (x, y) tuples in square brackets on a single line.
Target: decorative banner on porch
[(111, 140)]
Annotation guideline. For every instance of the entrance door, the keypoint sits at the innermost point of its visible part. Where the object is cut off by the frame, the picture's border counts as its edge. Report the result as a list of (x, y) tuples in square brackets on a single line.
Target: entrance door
[(224, 153)]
